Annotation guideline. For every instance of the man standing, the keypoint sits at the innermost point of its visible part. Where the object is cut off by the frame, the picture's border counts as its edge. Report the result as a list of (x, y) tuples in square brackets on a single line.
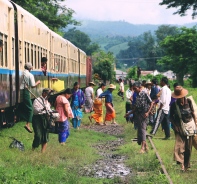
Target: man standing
[(110, 111), (163, 110), (121, 90), (41, 107), (142, 108), (28, 80), (129, 99)]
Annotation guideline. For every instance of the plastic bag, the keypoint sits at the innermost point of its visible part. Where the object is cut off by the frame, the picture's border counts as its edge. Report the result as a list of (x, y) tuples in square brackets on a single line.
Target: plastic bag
[(17, 144)]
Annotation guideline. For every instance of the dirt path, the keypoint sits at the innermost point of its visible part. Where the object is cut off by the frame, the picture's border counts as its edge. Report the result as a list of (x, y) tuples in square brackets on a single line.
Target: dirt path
[(110, 165)]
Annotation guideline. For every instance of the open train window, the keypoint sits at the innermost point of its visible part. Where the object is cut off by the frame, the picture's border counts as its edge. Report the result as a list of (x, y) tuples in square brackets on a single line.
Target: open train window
[(25, 51), (13, 61), (32, 55), (35, 58), (1, 51), (38, 56), (28, 58)]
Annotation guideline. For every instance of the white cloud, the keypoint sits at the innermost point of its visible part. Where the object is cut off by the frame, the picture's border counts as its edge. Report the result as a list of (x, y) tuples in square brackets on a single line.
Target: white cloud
[(132, 11)]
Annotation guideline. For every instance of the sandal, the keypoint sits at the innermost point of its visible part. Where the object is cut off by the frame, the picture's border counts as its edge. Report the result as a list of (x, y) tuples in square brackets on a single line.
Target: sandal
[(28, 129), (182, 167), (142, 151)]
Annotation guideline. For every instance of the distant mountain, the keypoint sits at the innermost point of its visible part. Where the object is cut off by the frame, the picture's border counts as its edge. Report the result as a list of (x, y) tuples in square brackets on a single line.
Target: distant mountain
[(114, 35), (97, 29)]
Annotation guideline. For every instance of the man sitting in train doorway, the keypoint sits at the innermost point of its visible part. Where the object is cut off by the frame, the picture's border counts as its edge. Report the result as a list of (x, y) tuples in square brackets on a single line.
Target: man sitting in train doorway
[(44, 65)]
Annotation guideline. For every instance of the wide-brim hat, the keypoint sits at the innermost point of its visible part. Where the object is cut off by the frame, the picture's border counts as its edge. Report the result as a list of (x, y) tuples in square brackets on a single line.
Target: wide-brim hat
[(111, 86), (179, 92), (91, 83), (148, 82)]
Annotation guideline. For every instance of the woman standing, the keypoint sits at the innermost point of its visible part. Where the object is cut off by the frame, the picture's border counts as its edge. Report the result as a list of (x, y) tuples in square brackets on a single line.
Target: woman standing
[(183, 143), (62, 105), (97, 106), (89, 96), (41, 107), (77, 103)]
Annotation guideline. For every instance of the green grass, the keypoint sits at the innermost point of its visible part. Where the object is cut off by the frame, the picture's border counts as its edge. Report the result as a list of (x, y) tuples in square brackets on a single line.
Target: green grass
[(61, 164)]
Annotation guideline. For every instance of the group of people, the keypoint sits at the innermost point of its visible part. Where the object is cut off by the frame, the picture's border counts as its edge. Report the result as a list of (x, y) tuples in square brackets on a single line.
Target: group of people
[(148, 103), (68, 104)]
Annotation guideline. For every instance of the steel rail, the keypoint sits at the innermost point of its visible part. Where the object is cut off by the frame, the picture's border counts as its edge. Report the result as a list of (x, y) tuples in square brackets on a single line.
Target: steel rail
[(160, 160)]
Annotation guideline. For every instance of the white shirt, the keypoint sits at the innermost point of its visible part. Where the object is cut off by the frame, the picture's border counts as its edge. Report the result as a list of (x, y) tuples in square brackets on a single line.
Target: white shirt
[(38, 107), (98, 92), (165, 98), (121, 87), (27, 79), (89, 91), (129, 94)]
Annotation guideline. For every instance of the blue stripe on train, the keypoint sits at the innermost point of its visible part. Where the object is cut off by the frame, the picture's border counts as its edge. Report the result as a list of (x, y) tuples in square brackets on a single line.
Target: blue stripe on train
[(36, 73)]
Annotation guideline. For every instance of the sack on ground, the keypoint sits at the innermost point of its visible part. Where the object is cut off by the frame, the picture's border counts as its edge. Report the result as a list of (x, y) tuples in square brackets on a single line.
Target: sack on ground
[(17, 144)]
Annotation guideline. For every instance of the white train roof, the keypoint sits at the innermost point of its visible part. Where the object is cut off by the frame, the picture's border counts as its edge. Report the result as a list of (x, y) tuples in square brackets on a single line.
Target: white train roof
[(25, 12)]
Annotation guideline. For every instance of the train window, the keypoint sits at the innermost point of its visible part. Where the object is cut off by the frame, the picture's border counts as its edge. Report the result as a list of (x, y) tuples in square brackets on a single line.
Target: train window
[(6, 51), (13, 61), (64, 70), (25, 51), (1, 51), (28, 49), (35, 58), (62, 64), (41, 50), (32, 55), (38, 56)]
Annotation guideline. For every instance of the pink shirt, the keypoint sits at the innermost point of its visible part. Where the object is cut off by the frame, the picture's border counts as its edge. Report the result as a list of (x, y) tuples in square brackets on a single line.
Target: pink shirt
[(60, 102)]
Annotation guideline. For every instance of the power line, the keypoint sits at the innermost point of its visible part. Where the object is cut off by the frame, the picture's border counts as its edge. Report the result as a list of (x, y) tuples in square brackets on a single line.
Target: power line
[(137, 58)]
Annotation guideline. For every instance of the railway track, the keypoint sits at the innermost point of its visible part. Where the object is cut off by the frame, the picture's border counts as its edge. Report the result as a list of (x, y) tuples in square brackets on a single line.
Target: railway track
[(160, 160), (164, 171)]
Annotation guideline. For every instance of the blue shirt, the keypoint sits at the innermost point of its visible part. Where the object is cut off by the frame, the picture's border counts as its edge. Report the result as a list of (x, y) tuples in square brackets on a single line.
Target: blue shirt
[(108, 96), (154, 92), (134, 98)]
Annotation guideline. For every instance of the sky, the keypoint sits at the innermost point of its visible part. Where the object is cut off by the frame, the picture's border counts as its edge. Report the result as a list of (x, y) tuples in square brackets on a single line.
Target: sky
[(132, 11)]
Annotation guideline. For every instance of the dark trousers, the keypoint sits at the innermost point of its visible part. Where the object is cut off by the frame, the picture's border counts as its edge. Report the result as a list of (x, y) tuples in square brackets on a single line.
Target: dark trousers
[(164, 119), (128, 108), (120, 94)]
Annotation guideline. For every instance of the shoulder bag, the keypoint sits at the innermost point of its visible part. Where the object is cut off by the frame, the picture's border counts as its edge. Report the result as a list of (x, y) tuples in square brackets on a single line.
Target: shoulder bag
[(187, 129)]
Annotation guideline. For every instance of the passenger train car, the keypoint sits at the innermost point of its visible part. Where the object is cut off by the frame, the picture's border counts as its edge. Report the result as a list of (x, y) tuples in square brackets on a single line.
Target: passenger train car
[(27, 39)]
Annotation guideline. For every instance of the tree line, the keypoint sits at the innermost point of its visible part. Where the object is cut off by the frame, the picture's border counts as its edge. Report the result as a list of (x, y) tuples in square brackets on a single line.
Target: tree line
[(169, 48)]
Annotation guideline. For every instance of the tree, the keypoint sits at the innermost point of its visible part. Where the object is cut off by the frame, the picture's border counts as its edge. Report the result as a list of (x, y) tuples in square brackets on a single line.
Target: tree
[(81, 40), (132, 73), (165, 30), (181, 52), (55, 15), (183, 5), (148, 50), (103, 65)]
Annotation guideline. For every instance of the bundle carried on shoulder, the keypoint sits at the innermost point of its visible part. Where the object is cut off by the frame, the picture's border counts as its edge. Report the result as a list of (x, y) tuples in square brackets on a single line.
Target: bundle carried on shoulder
[(188, 128), (195, 112)]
